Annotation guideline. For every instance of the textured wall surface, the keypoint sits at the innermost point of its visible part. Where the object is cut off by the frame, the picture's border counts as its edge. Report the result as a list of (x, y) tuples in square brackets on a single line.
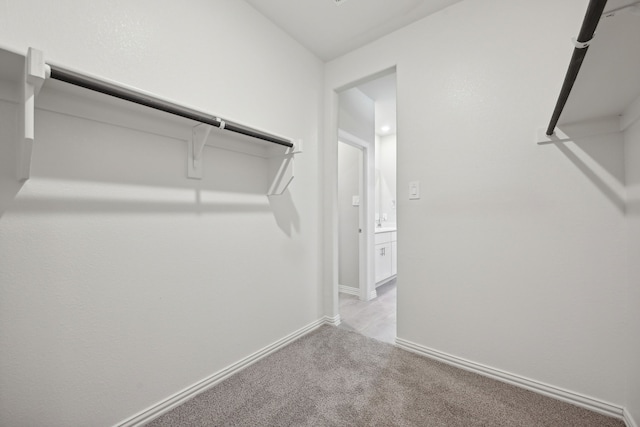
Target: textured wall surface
[(632, 157), (515, 256), (387, 179), (121, 281)]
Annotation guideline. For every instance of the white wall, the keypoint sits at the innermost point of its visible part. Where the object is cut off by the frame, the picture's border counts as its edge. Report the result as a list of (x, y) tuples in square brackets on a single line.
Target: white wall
[(632, 156), (122, 282), (349, 179), (514, 257), (386, 156), (357, 115)]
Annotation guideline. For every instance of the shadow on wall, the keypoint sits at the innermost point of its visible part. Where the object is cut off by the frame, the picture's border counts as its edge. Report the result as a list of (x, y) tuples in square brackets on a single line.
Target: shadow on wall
[(9, 185), (601, 160), (633, 206), (285, 212), (632, 161), (83, 166), (9, 188)]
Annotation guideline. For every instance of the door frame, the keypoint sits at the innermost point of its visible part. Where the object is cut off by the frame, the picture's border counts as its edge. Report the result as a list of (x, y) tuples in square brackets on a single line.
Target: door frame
[(334, 84), (367, 286)]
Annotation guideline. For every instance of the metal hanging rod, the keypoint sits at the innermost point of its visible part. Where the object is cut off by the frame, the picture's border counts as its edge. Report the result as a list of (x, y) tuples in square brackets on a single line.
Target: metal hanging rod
[(150, 101), (589, 24)]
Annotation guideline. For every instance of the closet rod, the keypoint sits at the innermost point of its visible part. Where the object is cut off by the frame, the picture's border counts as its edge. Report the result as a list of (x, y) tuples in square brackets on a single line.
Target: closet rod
[(130, 95), (589, 24)]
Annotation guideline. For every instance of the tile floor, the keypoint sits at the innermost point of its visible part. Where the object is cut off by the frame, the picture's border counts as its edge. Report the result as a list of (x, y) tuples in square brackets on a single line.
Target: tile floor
[(375, 318)]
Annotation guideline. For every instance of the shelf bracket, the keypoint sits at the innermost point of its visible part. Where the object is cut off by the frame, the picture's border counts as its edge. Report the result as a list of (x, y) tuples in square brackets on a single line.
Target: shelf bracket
[(579, 130), (199, 135), (35, 73), (281, 170)]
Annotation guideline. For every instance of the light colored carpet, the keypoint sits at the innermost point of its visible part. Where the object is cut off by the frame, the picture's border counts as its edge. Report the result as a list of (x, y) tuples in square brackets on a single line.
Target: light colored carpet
[(335, 377)]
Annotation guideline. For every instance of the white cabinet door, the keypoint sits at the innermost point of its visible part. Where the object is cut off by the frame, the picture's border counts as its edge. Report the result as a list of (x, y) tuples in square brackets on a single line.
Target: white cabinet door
[(394, 258), (383, 261)]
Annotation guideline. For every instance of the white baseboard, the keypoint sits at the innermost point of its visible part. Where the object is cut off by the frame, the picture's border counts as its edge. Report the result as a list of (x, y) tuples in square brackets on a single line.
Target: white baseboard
[(387, 280), (179, 398), (516, 380), (349, 290), (356, 291), (628, 419), (333, 321)]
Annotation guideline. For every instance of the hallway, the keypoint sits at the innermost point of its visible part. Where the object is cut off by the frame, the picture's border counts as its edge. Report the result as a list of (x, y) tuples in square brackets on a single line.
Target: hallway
[(375, 318)]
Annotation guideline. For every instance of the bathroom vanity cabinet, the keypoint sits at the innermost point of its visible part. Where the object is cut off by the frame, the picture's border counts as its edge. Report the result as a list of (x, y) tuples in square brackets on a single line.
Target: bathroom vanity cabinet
[(386, 258)]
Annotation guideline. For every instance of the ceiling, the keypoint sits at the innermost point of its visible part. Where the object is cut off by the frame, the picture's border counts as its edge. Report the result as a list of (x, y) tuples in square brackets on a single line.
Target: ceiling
[(331, 28), (383, 92)]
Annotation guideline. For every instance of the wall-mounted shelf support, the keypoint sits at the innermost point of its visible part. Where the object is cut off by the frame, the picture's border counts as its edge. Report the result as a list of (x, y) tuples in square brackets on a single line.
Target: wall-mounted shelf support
[(199, 137), (279, 151), (35, 73), (281, 170), (280, 159), (580, 130)]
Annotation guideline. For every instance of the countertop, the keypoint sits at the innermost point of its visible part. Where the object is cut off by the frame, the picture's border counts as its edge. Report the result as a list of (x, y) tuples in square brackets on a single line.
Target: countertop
[(384, 229)]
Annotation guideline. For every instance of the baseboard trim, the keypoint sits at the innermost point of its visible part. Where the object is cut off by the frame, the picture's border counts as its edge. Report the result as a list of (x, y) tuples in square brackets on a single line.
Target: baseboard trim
[(628, 419), (333, 321), (349, 290), (516, 380), (387, 280), (356, 291), (179, 398)]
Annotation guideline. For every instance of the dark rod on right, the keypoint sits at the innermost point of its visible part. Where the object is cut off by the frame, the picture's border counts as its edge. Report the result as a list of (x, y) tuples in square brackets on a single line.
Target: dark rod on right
[(591, 19)]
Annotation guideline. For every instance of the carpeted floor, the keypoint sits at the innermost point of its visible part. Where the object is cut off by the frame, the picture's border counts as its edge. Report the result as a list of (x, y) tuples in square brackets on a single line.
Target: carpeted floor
[(334, 377)]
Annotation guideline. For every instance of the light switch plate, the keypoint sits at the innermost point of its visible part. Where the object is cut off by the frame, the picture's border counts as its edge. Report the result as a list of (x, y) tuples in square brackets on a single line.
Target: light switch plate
[(355, 201), (414, 190)]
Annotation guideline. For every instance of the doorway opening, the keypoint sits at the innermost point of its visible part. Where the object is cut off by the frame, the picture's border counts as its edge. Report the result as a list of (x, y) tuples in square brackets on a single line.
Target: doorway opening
[(367, 234)]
